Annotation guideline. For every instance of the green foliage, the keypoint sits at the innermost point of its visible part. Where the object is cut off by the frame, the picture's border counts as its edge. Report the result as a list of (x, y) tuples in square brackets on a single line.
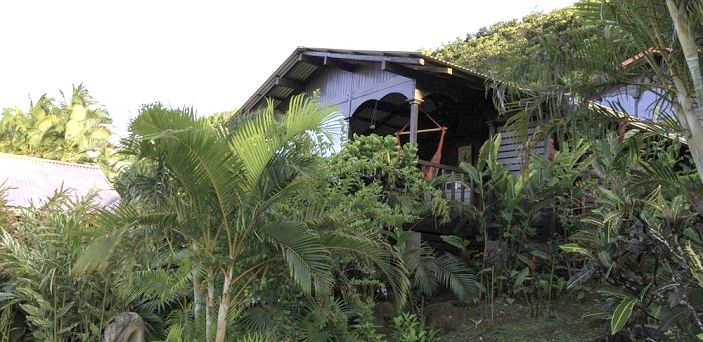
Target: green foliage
[(7, 216), (409, 328), (41, 299), (72, 130), (377, 190), (508, 205), (622, 314), (324, 320), (228, 191), (380, 185), (430, 270), (638, 237), (623, 44), (373, 171), (506, 50), (366, 327)]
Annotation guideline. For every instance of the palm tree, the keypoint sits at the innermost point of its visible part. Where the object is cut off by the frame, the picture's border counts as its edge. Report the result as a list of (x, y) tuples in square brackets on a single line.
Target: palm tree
[(75, 130), (228, 181), (85, 126)]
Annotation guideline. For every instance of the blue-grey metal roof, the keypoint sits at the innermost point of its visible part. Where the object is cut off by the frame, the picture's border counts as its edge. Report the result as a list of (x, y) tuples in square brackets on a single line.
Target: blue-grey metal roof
[(32, 180)]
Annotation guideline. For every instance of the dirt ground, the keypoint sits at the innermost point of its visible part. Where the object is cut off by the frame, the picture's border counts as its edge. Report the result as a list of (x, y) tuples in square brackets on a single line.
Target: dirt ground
[(562, 321)]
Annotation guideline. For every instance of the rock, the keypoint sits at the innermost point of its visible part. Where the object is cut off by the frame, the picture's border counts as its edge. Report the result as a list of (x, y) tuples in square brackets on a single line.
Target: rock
[(445, 316), (125, 327)]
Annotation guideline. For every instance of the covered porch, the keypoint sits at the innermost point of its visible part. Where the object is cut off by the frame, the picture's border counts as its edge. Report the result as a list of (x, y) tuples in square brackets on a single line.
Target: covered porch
[(449, 129)]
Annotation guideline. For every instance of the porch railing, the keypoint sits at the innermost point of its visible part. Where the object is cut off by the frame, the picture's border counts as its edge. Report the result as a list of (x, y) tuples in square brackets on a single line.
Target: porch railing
[(457, 188)]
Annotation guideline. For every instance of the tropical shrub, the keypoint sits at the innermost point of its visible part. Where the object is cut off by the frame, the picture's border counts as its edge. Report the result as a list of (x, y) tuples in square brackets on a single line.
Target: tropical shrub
[(379, 184), (373, 171), (410, 328), (641, 245), (373, 192), (382, 183), (506, 210), (41, 299)]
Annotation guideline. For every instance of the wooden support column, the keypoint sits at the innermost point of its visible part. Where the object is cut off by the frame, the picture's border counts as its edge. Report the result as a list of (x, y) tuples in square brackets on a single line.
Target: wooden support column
[(415, 240), (414, 116)]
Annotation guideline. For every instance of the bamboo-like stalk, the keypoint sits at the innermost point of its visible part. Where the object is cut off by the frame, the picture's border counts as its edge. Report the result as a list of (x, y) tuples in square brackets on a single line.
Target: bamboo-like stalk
[(197, 291), (210, 305), (197, 295), (677, 10), (224, 306), (692, 113)]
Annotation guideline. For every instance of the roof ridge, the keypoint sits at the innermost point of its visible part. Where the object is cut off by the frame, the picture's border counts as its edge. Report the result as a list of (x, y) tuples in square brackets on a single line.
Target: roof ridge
[(50, 161), (314, 48), (419, 53)]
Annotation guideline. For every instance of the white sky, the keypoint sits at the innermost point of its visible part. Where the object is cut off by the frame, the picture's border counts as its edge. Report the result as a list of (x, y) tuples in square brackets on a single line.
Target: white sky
[(208, 54)]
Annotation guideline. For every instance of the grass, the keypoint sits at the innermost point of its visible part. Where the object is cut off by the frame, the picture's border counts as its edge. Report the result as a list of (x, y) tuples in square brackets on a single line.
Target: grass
[(565, 322)]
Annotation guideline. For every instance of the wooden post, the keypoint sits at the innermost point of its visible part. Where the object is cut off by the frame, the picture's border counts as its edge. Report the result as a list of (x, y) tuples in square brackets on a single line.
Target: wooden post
[(414, 116), (415, 240), (491, 129)]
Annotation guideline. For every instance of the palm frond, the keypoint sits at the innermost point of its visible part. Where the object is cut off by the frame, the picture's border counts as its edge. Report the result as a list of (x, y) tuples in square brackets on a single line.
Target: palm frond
[(382, 256), (258, 139), (203, 165), (308, 261), (452, 273)]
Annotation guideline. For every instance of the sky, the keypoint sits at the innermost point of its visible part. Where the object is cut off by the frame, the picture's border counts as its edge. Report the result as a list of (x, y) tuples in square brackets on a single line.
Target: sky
[(211, 55)]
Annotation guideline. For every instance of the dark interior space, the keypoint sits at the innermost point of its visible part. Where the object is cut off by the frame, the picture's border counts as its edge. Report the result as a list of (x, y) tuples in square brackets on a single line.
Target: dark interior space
[(465, 120)]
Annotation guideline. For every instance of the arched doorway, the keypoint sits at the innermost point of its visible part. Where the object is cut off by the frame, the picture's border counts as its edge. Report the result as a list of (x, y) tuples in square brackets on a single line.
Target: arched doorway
[(382, 116)]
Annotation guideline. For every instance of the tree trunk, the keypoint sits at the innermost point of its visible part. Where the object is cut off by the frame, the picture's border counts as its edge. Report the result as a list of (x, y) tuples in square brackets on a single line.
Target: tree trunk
[(224, 307), (210, 306), (688, 45), (693, 115), (197, 292), (197, 295)]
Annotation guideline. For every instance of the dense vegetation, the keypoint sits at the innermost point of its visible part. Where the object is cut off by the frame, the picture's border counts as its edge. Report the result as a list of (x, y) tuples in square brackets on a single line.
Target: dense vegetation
[(74, 129), (507, 50), (640, 240), (251, 231)]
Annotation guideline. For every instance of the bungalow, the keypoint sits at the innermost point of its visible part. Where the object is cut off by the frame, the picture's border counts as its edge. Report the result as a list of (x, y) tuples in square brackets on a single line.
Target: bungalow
[(441, 106), (445, 108)]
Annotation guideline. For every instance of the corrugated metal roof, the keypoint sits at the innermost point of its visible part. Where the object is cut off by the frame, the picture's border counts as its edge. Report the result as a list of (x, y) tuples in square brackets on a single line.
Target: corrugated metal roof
[(33, 180), (301, 71)]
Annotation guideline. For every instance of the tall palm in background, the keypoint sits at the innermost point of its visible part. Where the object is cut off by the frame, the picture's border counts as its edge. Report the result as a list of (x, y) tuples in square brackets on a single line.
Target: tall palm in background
[(226, 182), (75, 129)]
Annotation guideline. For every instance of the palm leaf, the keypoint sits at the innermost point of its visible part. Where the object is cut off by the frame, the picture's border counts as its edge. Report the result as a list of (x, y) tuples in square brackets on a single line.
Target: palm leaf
[(381, 255), (308, 261)]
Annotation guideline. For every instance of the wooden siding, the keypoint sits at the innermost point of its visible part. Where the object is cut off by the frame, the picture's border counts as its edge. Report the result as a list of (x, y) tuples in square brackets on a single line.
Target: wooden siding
[(348, 90), (334, 84), (511, 151)]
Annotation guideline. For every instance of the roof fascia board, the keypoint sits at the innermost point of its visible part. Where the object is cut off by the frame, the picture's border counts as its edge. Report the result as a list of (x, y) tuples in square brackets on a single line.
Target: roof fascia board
[(270, 82), (405, 71), (338, 63), (288, 83), (367, 58)]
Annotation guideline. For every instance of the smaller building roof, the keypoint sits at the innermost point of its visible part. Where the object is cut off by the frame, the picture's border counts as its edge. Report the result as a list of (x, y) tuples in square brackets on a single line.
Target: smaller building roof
[(32, 180)]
